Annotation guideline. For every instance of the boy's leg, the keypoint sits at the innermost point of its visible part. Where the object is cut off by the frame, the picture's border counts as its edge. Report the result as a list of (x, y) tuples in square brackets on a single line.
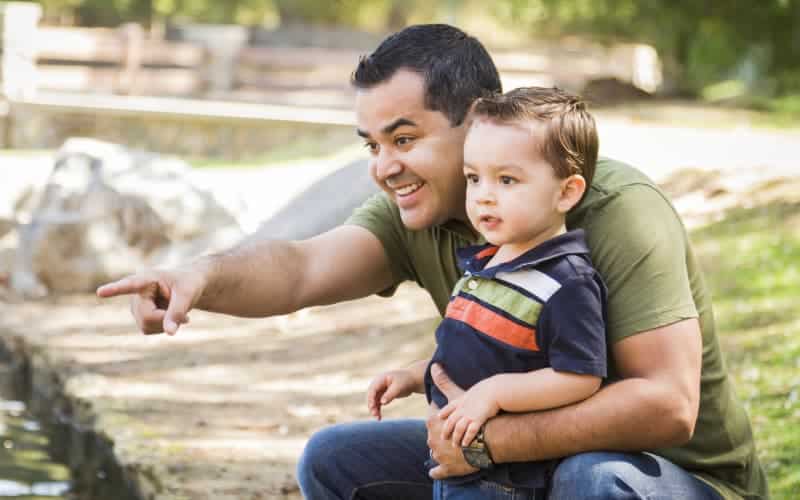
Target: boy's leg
[(367, 461), (625, 476)]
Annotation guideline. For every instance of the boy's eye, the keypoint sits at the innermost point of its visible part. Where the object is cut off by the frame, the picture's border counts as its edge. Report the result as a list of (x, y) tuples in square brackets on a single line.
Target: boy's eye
[(402, 140), (504, 179), (471, 178)]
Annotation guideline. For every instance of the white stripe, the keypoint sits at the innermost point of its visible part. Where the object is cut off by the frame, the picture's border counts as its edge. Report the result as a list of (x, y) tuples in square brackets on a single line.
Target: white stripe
[(533, 281)]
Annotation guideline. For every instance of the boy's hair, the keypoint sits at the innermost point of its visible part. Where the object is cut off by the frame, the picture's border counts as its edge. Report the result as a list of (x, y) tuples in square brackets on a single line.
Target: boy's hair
[(570, 136), (456, 67)]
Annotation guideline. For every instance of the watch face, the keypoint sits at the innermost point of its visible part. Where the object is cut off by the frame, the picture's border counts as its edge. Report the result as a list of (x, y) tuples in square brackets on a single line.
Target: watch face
[(477, 457)]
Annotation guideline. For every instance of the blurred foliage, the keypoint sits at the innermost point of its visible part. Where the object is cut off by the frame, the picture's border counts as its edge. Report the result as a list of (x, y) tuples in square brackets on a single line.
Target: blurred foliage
[(752, 262), (753, 42), (756, 42)]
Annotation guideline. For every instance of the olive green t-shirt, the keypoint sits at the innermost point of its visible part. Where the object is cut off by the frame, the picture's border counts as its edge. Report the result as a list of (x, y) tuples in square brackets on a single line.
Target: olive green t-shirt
[(640, 247)]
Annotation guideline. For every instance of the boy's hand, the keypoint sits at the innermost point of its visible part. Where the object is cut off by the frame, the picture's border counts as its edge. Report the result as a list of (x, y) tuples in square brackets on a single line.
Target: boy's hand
[(466, 414), (386, 387)]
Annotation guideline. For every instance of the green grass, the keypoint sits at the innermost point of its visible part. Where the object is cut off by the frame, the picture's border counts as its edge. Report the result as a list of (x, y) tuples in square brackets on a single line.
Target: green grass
[(752, 262)]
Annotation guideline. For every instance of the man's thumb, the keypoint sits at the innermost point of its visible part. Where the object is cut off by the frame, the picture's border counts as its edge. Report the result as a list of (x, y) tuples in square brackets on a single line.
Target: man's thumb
[(176, 312), (443, 382)]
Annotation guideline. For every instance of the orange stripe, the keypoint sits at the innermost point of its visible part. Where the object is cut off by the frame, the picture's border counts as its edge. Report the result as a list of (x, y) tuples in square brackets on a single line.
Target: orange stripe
[(492, 324), (487, 252)]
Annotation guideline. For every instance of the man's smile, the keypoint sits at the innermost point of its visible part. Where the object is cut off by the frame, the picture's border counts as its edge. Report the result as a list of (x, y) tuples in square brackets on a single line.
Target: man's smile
[(407, 189)]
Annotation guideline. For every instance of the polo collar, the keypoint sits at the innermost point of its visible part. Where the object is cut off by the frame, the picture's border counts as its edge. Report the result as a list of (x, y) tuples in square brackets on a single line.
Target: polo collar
[(473, 259)]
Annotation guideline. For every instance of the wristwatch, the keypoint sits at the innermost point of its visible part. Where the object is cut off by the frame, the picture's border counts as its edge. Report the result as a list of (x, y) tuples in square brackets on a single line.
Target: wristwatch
[(477, 453)]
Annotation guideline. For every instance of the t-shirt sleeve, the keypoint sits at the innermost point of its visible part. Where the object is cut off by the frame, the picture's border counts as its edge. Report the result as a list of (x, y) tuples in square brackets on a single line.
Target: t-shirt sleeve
[(639, 246), (380, 217), (572, 323)]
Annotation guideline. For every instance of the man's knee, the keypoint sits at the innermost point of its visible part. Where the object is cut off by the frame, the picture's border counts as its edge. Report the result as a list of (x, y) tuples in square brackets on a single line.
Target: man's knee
[(316, 460), (600, 475)]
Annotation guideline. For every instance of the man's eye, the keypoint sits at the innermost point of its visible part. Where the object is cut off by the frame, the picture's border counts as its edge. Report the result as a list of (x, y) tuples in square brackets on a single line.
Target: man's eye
[(403, 140), (504, 179), (372, 147)]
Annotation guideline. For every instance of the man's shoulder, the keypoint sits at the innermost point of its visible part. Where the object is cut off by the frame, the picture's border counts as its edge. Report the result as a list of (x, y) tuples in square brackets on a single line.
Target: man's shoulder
[(618, 189)]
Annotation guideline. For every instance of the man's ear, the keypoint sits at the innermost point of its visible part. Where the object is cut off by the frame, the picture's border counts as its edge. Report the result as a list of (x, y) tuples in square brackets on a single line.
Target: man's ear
[(572, 189)]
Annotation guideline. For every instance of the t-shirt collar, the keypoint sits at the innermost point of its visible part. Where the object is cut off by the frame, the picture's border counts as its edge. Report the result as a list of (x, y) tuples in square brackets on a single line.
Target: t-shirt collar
[(473, 259)]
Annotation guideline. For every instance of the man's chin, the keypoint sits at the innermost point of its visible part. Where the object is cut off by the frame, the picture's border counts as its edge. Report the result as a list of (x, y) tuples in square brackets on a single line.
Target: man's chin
[(415, 221)]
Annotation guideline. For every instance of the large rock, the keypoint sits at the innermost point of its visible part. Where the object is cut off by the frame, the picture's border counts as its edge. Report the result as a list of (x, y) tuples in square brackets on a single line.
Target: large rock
[(107, 211)]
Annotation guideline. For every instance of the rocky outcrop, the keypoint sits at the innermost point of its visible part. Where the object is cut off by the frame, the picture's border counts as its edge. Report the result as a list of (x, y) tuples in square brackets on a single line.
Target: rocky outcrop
[(107, 211)]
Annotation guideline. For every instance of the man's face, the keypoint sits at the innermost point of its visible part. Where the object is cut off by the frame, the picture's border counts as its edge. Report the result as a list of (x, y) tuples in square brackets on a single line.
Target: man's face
[(416, 155), (514, 198)]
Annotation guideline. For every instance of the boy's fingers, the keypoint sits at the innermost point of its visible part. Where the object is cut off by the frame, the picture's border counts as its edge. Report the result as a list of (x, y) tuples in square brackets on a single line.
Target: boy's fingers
[(447, 428), (458, 431), (389, 395), (469, 435), (446, 411)]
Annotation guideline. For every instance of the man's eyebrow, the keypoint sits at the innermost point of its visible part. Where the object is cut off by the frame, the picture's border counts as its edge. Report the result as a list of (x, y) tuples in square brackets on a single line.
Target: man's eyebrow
[(400, 122), (388, 129)]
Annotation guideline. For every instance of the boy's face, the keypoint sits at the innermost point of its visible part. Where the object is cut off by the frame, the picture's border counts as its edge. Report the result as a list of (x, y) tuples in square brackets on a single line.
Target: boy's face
[(514, 198), (416, 155)]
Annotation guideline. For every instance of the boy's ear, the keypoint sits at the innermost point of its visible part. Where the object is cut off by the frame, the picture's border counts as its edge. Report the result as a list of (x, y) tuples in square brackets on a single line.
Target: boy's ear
[(572, 189)]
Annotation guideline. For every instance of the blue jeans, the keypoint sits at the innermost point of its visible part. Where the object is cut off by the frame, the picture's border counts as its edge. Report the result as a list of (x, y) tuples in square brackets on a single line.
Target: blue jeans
[(386, 460)]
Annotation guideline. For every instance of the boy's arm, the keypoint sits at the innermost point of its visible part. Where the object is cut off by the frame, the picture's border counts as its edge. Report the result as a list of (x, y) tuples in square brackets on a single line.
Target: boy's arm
[(541, 389), (417, 369), (654, 406)]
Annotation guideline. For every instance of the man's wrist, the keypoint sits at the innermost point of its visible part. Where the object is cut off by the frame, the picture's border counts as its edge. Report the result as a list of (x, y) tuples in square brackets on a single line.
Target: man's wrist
[(477, 453), (490, 436), (206, 267)]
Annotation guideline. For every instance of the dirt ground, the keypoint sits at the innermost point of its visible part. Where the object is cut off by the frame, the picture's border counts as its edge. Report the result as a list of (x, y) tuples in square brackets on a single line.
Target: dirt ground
[(223, 409)]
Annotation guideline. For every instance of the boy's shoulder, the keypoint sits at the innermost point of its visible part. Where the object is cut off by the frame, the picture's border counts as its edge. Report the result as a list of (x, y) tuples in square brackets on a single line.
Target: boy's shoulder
[(543, 271)]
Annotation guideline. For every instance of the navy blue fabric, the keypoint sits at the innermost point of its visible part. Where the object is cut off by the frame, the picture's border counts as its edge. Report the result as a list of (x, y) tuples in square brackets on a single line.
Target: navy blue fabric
[(570, 333)]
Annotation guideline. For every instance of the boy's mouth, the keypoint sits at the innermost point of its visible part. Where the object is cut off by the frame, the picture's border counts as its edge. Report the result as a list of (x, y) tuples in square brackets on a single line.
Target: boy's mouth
[(489, 221)]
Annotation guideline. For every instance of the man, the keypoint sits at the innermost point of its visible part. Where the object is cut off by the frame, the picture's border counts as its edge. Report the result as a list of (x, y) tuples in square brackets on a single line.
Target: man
[(669, 392)]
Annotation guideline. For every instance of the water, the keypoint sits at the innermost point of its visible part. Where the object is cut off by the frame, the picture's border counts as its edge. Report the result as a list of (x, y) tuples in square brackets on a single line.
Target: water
[(26, 470)]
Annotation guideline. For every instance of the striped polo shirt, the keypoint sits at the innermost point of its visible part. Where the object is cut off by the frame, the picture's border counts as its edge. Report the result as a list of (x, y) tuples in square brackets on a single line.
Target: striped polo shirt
[(546, 308)]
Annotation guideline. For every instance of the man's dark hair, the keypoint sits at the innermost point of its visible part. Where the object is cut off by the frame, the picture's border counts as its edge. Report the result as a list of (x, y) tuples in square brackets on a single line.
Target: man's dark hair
[(456, 67)]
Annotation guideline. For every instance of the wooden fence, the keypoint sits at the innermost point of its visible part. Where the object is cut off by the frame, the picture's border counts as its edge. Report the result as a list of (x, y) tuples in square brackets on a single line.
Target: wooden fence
[(127, 61), (119, 61)]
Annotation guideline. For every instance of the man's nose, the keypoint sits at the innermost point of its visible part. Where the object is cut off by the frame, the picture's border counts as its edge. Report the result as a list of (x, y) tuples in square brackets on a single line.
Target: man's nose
[(385, 165)]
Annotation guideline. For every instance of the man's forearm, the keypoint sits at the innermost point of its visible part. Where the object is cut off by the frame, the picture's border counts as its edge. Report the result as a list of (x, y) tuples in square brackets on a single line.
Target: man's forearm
[(254, 279), (633, 414)]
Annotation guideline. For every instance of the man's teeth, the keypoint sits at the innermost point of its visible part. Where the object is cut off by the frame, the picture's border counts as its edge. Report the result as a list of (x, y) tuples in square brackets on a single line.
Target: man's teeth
[(402, 191)]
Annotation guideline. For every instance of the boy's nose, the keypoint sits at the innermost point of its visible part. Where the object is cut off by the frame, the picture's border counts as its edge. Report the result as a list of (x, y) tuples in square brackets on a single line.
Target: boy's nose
[(485, 196)]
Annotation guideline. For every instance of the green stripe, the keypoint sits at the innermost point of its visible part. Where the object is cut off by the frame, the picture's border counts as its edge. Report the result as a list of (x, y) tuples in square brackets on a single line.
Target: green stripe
[(502, 297), (459, 285)]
